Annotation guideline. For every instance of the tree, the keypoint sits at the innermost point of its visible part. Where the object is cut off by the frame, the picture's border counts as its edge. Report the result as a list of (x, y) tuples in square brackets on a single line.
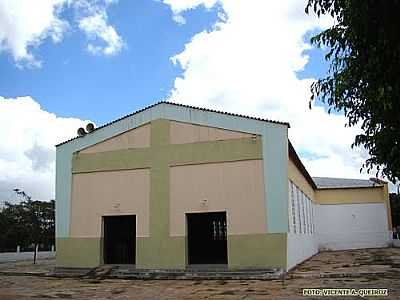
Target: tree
[(39, 221), (27, 223), (395, 207), (363, 80), (13, 231)]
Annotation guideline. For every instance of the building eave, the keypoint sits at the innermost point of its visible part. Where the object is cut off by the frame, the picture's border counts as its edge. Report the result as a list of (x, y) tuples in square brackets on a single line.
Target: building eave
[(297, 161), (179, 105)]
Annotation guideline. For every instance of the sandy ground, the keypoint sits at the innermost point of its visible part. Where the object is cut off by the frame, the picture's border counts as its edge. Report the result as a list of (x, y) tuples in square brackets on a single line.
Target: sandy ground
[(358, 269)]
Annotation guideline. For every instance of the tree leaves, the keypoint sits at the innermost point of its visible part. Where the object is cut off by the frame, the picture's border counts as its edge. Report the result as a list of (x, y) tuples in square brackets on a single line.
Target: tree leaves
[(363, 80), (29, 222)]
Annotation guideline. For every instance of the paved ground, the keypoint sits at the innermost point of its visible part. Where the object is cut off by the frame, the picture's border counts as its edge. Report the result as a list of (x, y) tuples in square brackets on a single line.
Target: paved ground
[(22, 256), (374, 268)]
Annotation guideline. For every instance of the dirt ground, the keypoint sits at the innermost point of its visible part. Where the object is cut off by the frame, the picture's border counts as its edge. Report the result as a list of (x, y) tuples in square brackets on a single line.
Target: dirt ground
[(358, 269)]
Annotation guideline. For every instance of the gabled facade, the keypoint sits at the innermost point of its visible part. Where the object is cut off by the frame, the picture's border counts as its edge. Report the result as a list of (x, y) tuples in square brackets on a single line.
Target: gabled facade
[(172, 186)]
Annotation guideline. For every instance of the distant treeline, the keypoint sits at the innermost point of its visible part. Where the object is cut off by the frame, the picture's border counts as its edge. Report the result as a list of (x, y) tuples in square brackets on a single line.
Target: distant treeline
[(27, 224)]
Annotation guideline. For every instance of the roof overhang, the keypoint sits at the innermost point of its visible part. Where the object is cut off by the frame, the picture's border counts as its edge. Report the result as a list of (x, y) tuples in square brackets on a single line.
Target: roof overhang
[(183, 106)]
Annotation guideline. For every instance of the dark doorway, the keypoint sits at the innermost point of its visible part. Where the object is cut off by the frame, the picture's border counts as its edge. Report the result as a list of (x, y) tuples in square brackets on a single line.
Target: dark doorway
[(119, 239), (207, 242)]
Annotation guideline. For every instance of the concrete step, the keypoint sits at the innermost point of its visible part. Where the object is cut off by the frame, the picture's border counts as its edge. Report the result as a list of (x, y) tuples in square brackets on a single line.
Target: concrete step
[(99, 272), (191, 274), (69, 272), (130, 272)]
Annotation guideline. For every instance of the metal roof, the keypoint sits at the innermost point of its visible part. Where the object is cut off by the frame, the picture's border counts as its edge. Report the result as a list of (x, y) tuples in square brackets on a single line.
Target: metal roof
[(297, 161), (184, 106), (337, 183)]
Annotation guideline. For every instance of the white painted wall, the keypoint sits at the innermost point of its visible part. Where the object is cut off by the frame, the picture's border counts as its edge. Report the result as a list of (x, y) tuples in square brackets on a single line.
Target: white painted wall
[(300, 247), (315, 227), (301, 238), (352, 226)]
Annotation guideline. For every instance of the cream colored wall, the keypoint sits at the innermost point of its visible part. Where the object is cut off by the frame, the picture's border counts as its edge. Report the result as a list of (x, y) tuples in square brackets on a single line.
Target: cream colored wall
[(234, 187), (350, 196), (298, 179), (184, 133), (109, 193), (135, 138), (357, 196)]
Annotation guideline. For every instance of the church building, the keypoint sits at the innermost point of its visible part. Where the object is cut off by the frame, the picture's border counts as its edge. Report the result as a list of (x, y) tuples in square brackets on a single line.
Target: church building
[(173, 186)]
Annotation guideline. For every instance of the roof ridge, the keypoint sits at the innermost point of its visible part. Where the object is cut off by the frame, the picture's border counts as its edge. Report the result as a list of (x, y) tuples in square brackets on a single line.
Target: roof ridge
[(180, 105), (334, 183), (342, 178)]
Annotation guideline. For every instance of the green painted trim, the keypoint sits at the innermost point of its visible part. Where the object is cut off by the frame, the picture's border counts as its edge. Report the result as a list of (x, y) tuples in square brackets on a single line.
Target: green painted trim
[(79, 252), (168, 155), (159, 178), (244, 251), (160, 250), (111, 161), (257, 250), (217, 151), (162, 253), (159, 133)]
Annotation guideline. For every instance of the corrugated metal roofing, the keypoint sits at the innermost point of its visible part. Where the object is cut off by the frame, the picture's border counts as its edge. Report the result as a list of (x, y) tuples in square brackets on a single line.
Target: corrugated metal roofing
[(185, 106), (297, 161), (332, 183)]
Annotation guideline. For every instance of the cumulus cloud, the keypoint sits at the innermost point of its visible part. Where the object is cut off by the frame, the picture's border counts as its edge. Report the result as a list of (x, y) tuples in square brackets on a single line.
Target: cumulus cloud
[(96, 28), (26, 24), (41, 157), (92, 19), (180, 6), (27, 153), (248, 64)]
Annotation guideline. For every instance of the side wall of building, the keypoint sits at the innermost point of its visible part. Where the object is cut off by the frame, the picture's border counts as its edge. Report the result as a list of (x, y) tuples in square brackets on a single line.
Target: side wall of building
[(301, 239), (341, 218), (353, 218)]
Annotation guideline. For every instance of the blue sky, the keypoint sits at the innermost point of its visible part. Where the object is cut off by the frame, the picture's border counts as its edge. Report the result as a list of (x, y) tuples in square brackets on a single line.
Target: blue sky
[(64, 63), (74, 83)]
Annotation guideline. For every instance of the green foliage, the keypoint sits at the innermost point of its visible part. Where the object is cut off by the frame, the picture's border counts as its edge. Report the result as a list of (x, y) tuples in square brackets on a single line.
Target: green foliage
[(27, 223), (363, 80)]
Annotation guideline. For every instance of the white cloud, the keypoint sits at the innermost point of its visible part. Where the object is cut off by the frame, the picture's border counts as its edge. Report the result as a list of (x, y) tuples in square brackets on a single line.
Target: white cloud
[(92, 19), (179, 19), (27, 153), (248, 65), (26, 24), (95, 26), (180, 6)]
